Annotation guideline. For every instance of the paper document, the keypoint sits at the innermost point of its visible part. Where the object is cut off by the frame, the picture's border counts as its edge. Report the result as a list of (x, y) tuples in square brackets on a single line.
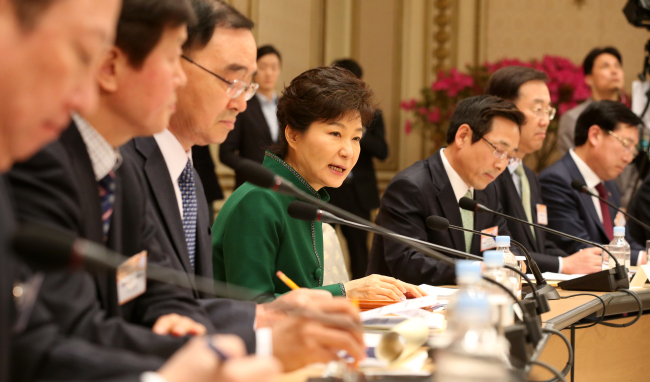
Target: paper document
[(438, 291), (415, 303), (552, 276)]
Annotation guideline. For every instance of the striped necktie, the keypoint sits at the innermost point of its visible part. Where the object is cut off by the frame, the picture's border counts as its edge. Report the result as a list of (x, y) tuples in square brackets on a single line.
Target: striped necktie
[(525, 195), (188, 194), (468, 223), (107, 198)]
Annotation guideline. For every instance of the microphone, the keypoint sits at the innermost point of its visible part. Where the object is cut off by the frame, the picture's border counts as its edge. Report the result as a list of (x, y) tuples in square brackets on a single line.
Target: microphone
[(606, 281), (46, 248), (308, 212), (580, 186), (438, 223)]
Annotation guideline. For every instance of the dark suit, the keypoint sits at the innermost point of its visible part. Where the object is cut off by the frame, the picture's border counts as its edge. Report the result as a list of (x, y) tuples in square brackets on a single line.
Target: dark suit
[(640, 209), (204, 166), (414, 194), (58, 187), (359, 194), (544, 252), (41, 350), (228, 316), (249, 139), (574, 213)]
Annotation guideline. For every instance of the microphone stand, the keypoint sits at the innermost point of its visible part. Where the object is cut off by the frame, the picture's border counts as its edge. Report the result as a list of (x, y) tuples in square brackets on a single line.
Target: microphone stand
[(541, 286), (608, 280)]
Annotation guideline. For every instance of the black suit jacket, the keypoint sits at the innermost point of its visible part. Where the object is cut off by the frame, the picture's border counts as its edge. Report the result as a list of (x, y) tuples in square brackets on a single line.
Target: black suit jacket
[(228, 316), (414, 194), (364, 181), (574, 213), (42, 350), (640, 209), (249, 139), (204, 166), (58, 187), (544, 252)]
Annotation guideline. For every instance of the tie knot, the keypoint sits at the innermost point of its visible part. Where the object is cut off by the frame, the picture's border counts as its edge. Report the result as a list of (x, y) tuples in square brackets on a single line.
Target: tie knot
[(108, 182), (468, 194), (600, 187), (520, 170)]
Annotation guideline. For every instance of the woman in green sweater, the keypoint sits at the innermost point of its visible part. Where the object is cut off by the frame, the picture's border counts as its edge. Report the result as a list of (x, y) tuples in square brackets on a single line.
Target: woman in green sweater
[(322, 112)]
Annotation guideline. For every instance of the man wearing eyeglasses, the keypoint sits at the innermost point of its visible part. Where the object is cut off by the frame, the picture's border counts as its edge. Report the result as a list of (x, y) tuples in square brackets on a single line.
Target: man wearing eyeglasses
[(482, 139), (606, 137), (519, 191)]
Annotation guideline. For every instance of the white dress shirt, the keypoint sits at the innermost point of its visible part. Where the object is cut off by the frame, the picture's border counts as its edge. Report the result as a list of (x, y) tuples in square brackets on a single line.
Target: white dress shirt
[(176, 159), (270, 109), (591, 180), (103, 156), (457, 183)]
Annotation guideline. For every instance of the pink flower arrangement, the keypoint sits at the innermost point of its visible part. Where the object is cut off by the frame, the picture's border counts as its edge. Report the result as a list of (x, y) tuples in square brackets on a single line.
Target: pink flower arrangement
[(432, 111)]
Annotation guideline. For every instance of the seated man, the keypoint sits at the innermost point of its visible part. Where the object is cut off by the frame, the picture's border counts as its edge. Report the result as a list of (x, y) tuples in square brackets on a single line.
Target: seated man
[(482, 139), (606, 136), (519, 191)]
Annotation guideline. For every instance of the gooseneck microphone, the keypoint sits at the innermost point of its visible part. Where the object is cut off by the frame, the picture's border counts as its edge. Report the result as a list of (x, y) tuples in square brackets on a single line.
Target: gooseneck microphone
[(530, 308), (580, 186), (438, 223), (606, 281), (46, 248)]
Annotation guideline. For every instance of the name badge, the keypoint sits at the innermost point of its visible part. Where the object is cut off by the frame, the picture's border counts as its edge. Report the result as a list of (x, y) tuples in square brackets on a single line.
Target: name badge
[(542, 215), (132, 278), (619, 221), (488, 242)]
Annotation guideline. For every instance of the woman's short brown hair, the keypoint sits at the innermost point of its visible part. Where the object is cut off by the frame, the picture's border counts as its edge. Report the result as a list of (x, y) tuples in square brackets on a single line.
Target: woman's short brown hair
[(324, 94)]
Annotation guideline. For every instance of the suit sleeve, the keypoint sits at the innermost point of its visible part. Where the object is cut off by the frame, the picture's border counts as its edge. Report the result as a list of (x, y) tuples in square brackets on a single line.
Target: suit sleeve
[(402, 211), (640, 209), (374, 141), (566, 131), (563, 212), (228, 149)]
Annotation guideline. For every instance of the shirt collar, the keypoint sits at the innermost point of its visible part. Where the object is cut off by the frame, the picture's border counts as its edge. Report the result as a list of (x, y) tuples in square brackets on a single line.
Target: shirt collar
[(282, 168), (103, 157), (513, 167), (457, 183), (590, 177), (175, 155), (264, 101)]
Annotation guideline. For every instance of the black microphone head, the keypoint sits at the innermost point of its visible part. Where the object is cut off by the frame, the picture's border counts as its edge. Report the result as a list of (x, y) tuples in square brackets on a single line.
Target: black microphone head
[(255, 173), (468, 204), (303, 211), (43, 247), (437, 223), (578, 185)]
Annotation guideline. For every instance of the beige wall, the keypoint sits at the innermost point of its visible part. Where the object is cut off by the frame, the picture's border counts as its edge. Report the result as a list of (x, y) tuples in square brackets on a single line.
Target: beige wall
[(529, 29), (401, 42)]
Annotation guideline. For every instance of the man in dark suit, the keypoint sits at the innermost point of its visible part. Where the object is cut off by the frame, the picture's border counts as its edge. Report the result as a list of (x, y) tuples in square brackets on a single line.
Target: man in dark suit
[(165, 162), (256, 128), (482, 139), (358, 193), (519, 191), (606, 137)]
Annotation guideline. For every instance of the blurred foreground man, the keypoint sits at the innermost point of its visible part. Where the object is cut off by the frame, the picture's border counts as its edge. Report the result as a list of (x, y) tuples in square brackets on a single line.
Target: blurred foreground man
[(482, 139), (519, 191)]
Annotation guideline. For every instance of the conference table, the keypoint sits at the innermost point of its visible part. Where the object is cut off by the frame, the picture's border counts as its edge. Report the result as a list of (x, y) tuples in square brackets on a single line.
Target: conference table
[(601, 353)]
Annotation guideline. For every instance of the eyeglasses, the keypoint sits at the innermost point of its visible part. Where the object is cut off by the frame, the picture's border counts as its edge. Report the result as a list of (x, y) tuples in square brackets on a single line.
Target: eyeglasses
[(235, 88), (549, 112), (629, 146), (500, 154)]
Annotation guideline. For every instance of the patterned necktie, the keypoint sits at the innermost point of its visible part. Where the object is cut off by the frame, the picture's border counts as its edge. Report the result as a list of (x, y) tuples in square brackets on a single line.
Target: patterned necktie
[(188, 194), (107, 198), (604, 210), (468, 223), (525, 195)]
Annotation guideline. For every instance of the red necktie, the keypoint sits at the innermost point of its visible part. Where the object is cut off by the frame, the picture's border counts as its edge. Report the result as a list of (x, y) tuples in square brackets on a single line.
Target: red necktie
[(604, 209)]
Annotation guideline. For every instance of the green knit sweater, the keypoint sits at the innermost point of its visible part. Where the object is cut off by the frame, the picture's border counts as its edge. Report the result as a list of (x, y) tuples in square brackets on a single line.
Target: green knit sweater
[(253, 237)]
